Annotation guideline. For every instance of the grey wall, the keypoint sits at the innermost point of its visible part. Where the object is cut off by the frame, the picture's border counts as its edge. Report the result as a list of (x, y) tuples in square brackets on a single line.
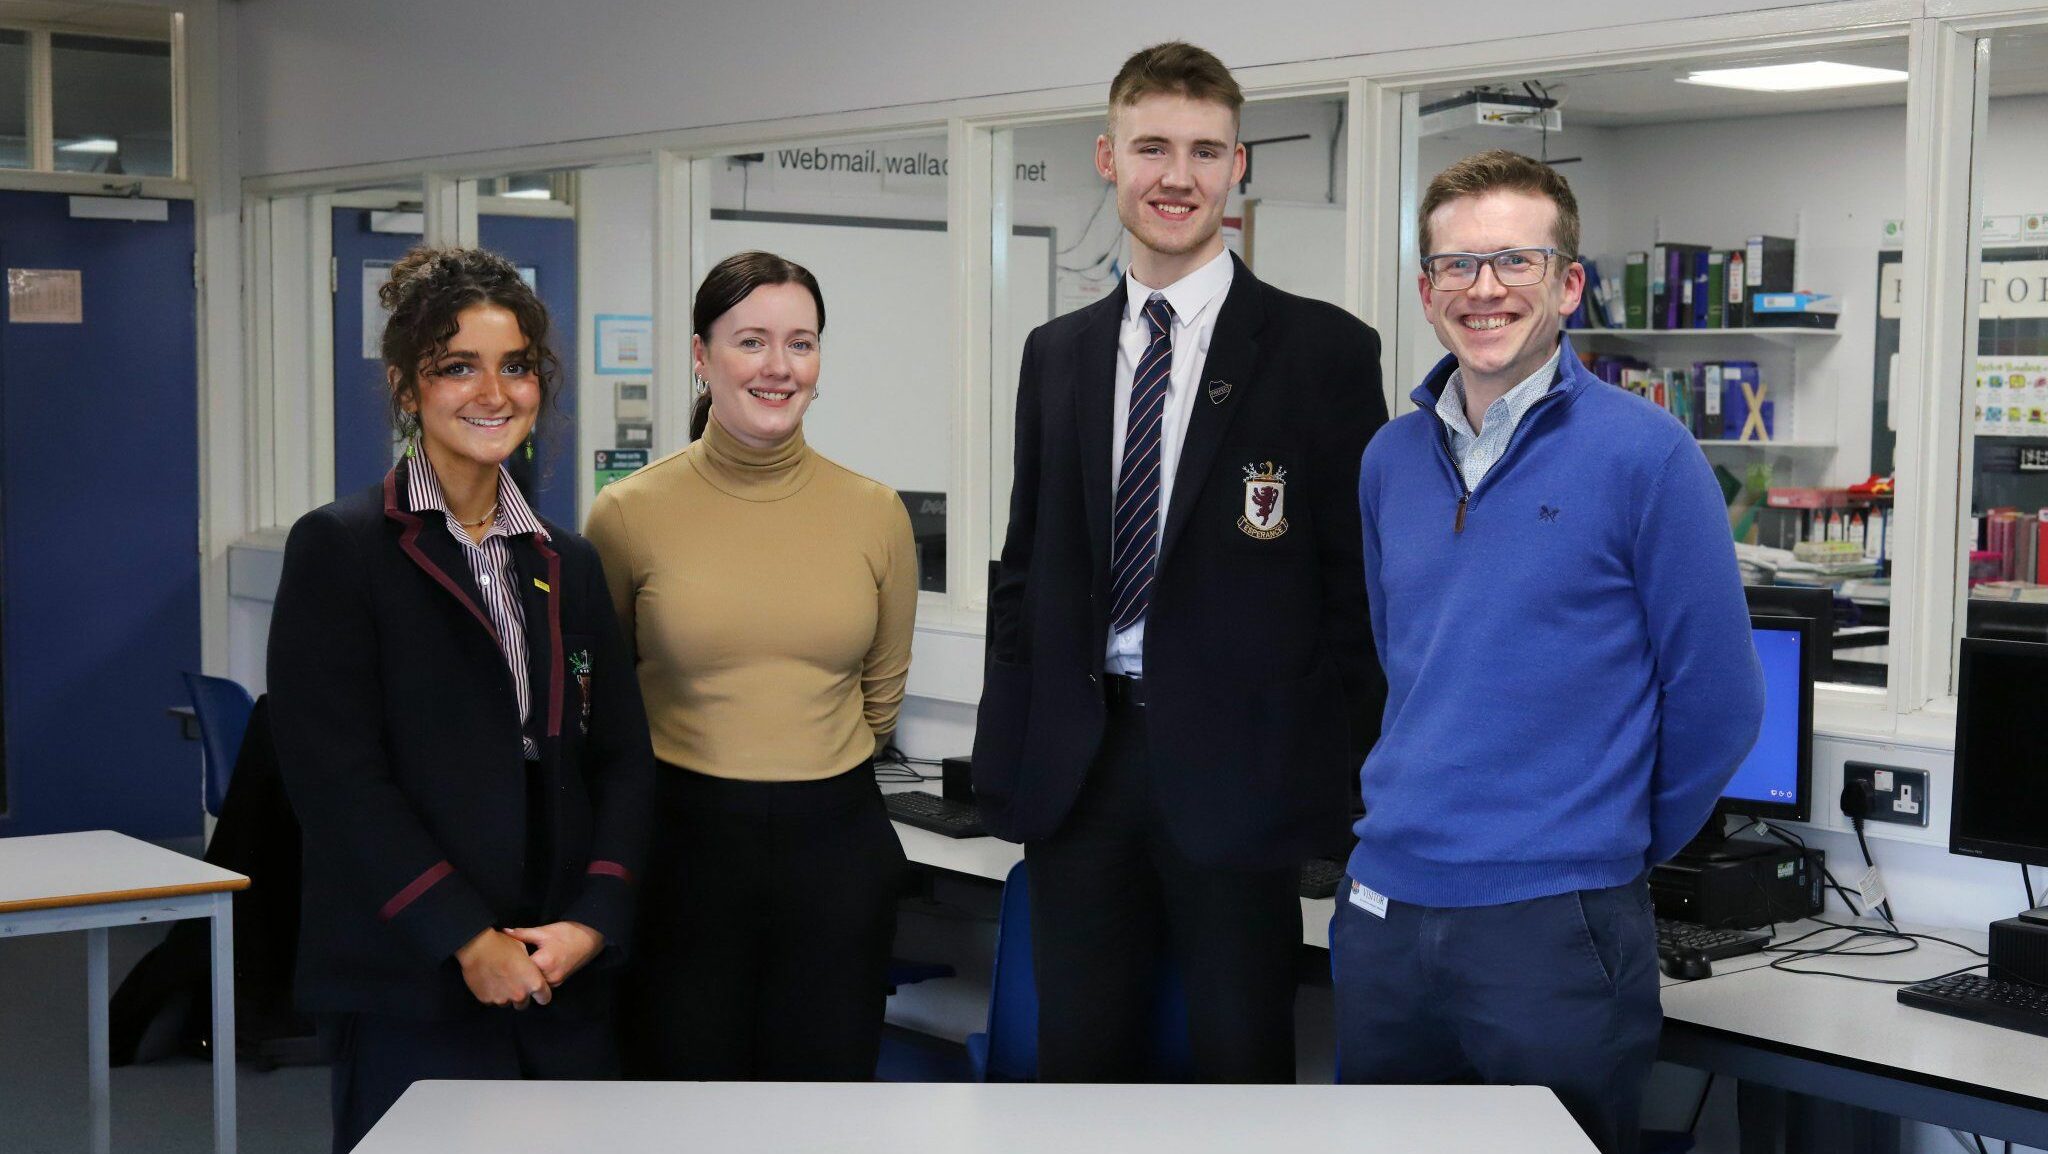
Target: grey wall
[(325, 84)]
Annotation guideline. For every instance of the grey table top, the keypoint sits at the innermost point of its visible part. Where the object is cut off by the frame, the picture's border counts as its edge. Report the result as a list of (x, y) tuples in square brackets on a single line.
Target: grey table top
[(58, 870), (955, 1118), (1861, 1024)]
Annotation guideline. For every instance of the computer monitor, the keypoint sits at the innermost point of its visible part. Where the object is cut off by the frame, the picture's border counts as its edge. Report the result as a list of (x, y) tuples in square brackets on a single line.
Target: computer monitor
[(1817, 602), (1998, 806), (1776, 779), (2006, 620), (928, 531)]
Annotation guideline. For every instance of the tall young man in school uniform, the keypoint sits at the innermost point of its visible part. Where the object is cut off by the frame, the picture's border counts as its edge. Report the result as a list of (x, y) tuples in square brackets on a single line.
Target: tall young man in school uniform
[(1571, 681), (1182, 677)]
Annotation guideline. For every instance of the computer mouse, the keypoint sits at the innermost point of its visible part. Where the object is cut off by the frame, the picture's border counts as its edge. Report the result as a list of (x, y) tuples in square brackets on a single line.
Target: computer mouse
[(1687, 965)]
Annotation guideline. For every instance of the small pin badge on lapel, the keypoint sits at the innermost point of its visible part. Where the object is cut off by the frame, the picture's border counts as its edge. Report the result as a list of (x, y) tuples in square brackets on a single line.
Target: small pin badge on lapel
[(1219, 391)]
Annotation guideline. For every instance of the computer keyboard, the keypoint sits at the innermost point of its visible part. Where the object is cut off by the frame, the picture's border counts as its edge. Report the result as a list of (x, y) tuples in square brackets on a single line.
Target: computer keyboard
[(940, 815), (2013, 1005), (1675, 937), (1319, 877)]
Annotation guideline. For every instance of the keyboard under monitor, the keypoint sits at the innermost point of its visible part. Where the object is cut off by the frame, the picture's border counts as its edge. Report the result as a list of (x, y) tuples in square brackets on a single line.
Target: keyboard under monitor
[(940, 815), (1674, 937), (2013, 1005)]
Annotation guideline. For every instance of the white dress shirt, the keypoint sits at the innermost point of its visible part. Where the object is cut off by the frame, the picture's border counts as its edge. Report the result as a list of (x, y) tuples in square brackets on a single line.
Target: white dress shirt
[(1477, 453), (1196, 299)]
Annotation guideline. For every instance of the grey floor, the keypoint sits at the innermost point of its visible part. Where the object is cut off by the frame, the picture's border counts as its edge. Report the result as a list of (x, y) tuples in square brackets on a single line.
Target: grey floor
[(161, 1107)]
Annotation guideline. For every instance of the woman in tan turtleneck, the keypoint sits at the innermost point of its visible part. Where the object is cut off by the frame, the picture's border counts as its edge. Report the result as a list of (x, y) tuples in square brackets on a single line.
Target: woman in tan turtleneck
[(769, 594)]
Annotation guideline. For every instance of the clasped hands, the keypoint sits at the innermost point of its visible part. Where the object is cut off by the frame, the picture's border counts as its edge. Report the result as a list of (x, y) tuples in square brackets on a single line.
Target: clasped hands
[(500, 970)]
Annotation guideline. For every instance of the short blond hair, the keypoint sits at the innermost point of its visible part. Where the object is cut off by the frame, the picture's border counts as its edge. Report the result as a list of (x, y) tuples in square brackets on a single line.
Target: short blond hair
[(1502, 170), (1175, 68)]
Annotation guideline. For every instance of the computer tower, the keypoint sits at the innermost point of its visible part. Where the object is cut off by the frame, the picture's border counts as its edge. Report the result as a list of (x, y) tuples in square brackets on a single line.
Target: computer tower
[(1744, 886), (2019, 951)]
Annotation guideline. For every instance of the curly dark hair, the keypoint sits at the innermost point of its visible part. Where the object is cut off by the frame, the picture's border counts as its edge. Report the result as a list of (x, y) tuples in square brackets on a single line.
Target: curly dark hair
[(427, 293)]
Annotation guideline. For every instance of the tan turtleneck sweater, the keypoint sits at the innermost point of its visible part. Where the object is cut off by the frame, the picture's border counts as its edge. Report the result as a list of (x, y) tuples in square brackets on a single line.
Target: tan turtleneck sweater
[(769, 595)]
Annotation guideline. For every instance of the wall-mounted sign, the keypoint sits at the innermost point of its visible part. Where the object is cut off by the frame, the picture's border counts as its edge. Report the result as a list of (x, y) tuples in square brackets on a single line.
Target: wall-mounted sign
[(45, 296)]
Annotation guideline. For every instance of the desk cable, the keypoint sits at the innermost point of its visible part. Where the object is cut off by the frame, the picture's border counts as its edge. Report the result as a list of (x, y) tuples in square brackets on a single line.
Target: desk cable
[(894, 767), (1855, 803), (1858, 943)]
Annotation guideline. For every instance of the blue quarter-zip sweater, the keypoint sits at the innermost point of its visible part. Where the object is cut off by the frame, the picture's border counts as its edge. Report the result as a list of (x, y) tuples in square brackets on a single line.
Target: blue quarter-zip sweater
[(1570, 675)]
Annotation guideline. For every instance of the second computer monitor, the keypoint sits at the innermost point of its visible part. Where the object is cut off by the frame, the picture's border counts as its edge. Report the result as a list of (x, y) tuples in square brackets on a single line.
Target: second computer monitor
[(1776, 779), (1998, 807)]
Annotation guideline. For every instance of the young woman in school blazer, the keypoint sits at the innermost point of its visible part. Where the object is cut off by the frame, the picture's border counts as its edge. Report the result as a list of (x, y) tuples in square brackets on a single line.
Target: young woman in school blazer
[(770, 594), (458, 726)]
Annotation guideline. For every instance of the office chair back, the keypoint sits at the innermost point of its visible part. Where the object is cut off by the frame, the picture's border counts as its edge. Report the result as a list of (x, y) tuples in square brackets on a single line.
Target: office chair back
[(222, 707), (1008, 1050)]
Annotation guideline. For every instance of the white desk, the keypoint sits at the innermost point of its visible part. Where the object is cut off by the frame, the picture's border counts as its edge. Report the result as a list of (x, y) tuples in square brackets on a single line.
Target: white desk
[(960, 1118), (1854, 1042), (89, 881), (989, 857)]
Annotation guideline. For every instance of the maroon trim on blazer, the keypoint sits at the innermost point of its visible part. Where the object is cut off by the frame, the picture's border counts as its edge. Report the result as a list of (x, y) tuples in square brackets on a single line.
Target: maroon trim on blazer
[(409, 541), (411, 893), (559, 659), (610, 869)]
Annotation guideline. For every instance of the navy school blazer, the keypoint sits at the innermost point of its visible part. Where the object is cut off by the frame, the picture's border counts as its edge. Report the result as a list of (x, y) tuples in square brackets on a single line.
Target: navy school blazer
[(1263, 692), (399, 741)]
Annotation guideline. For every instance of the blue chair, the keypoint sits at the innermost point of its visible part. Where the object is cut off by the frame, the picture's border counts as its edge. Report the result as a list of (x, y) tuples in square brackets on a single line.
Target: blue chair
[(222, 707), (1008, 1050)]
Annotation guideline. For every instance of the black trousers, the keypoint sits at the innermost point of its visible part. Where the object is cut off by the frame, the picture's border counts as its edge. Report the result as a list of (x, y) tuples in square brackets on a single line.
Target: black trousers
[(375, 1058), (1112, 899), (767, 915)]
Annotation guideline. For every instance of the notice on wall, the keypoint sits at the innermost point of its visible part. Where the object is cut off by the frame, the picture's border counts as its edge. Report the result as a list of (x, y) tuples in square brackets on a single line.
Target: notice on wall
[(2010, 398), (615, 463), (625, 344), (45, 296)]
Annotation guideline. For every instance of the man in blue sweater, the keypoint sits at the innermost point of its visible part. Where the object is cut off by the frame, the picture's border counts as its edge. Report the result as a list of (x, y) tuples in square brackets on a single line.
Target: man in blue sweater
[(1571, 681)]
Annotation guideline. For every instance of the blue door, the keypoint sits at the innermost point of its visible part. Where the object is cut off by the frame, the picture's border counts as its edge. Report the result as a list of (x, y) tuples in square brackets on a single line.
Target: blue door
[(99, 493), (543, 246), (362, 421)]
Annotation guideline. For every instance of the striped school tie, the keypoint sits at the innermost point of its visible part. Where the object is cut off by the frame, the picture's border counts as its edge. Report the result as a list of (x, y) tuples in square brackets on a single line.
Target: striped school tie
[(1134, 530)]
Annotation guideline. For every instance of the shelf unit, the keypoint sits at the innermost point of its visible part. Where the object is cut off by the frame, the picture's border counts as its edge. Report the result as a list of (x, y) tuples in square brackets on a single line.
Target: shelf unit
[(1782, 336), (1805, 408)]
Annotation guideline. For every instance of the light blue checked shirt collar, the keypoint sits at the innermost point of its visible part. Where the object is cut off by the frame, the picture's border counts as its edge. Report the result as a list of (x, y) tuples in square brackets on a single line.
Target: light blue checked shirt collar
[(1478, 452)]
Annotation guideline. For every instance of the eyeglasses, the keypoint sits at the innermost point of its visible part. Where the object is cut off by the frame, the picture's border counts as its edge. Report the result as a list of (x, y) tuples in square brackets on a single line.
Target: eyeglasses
[(1512, 267)]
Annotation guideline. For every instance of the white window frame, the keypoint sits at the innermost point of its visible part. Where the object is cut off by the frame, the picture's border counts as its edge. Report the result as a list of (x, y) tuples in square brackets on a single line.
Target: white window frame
[(1916, 707)]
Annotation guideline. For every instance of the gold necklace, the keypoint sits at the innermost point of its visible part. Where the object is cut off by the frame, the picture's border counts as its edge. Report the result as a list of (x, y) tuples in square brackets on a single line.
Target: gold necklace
[(480, 522)]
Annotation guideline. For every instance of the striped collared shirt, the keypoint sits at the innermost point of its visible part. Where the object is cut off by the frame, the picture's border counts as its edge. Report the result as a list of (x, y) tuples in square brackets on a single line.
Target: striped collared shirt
[(490, 564), (1478, 452)]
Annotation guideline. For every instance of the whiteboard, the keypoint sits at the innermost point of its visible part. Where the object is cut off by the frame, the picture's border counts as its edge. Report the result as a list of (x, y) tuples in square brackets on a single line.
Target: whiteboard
[(885, 387), (1299, 247)]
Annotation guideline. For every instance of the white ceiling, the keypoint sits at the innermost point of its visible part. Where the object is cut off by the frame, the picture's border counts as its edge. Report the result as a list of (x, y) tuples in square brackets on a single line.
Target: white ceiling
[(1651, 94)]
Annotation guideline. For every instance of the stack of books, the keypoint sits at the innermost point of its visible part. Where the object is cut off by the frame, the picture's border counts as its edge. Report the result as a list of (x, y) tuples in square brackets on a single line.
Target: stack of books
[(2013, 540), (1694, 286), (1716, 400)]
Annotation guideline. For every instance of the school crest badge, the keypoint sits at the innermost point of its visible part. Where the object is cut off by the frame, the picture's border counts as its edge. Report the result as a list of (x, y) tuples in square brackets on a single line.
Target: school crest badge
[(579, 664), (1265, 501)]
